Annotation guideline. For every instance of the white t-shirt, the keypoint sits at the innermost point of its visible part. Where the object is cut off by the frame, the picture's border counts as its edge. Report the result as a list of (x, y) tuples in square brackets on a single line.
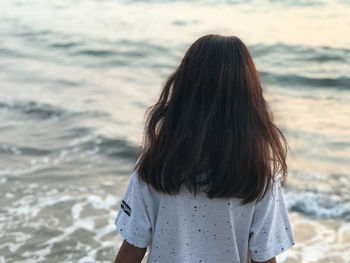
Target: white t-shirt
[(187, 228)]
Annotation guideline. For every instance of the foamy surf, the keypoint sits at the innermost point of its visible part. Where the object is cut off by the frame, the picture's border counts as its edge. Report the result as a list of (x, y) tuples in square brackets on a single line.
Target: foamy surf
[(76, 224)]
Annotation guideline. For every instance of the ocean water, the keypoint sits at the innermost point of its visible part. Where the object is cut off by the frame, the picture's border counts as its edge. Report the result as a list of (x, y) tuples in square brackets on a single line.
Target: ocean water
[(77, 76)]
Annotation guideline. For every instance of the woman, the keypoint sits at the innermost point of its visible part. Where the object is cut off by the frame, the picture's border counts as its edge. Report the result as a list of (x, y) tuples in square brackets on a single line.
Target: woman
[(206, 186)]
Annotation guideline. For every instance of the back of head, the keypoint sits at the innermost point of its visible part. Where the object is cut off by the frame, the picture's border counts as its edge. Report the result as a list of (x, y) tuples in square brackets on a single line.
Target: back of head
[(211, 128)]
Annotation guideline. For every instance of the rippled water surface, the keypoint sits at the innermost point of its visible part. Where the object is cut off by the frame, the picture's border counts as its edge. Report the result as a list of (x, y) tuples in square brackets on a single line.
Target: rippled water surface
[(77, 76)]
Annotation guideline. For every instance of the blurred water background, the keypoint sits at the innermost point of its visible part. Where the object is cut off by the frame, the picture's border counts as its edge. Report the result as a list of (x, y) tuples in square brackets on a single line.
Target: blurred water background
[(77, 75)]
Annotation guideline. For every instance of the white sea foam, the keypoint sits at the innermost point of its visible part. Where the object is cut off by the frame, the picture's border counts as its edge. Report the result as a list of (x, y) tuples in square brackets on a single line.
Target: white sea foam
[(29, 207), (317, 241), (3, 180), (318, 205)]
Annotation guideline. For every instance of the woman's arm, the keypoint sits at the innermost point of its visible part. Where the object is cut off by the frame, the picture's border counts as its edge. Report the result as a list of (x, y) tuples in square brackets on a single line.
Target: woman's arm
[(272, 260), (130, 254)]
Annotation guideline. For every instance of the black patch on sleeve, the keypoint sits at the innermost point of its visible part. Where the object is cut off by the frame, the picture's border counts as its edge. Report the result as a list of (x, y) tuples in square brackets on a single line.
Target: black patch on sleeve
[(126, 208)]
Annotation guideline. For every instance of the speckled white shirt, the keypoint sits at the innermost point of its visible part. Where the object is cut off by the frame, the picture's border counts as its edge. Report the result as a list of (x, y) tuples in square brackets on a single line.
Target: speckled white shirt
[(187, 228)]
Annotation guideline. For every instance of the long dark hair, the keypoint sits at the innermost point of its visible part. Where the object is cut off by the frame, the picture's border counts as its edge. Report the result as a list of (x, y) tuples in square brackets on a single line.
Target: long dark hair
[(211, 128)]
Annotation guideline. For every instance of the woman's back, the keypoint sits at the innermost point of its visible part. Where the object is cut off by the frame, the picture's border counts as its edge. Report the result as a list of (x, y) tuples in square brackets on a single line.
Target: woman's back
[(187, 228)]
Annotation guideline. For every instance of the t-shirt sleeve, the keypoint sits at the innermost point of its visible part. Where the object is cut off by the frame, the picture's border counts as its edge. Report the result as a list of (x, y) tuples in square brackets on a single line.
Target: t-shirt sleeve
[(133, 220), (270, 232)]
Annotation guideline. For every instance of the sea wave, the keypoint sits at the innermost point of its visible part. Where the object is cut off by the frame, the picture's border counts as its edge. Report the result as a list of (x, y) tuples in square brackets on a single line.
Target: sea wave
[(88, 146), (294, 80), (39, 110), (320, 196), (319, 205)]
